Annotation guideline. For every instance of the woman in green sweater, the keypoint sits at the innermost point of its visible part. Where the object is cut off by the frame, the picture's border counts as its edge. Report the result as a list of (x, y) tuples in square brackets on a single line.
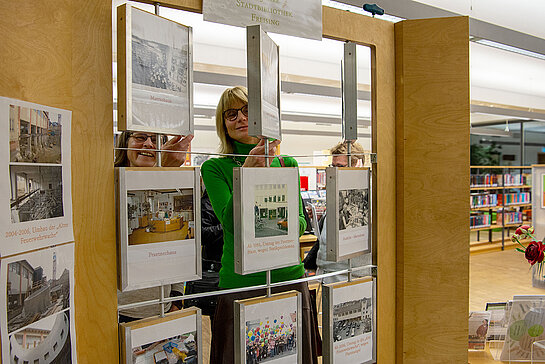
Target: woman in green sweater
[(217, 174)]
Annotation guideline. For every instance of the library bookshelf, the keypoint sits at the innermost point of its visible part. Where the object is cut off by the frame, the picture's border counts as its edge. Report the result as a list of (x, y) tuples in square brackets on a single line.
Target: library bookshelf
[(500, 199)]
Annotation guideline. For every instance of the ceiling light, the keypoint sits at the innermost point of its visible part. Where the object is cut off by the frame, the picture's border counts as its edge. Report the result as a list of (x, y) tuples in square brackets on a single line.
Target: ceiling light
[(508, 48)]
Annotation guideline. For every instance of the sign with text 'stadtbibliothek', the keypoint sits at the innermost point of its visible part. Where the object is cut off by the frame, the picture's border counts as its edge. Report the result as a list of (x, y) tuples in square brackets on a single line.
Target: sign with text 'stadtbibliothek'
[(292, 17)]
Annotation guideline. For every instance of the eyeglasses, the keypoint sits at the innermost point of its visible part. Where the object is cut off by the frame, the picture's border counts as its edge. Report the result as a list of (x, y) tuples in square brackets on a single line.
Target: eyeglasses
[(232, 114), (338, 165), (143, 137)]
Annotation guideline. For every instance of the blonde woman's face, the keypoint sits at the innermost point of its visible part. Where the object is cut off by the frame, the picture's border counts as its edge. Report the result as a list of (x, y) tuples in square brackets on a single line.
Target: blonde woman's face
[(238, 128)]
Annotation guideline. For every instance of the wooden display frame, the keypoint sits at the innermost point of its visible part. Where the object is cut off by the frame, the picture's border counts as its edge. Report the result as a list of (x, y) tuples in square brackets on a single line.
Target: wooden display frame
[(241, 308), (128, 330), (354, 179), (265, 115), (155, 105), (168, 252), (328, 300)]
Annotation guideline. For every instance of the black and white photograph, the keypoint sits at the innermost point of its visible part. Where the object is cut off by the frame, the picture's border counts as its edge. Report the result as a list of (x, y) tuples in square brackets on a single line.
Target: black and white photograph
[(159, 215), (34, 135), (36, 192), (47, 339), (36, 288), (353, 208), (158, 65), (352, 318), (271, 206)]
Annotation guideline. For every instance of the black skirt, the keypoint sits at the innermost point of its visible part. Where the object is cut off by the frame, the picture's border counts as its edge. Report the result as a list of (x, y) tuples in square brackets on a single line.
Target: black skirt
[(222, 349)]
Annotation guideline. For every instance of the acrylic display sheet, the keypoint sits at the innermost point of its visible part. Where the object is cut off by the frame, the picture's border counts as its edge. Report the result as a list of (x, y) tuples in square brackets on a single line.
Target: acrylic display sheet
[(19, 237), (526, 321), (263, 75), (360, 348), (349, 242), (299, 18), (276, 251), (41, 258), (154, 264), (158, 99), (162, 329), (260, 308)]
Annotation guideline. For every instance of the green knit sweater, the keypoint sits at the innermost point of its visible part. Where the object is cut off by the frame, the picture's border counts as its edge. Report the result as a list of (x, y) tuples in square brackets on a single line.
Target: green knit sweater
[(217, 174)]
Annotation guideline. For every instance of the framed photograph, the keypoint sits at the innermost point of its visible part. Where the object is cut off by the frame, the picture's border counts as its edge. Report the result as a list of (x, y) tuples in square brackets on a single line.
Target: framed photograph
[(348, 198), (154, 73), (263, 63), (37, 194), (266, 217), (268, 328), (526, 324), (479, 322), (158, 226), (37, 320), (349, 322), (175, 338)]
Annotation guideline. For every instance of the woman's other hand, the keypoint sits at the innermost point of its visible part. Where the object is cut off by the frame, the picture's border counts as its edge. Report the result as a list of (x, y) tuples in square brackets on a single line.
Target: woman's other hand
[(177, 145), (256, 157)]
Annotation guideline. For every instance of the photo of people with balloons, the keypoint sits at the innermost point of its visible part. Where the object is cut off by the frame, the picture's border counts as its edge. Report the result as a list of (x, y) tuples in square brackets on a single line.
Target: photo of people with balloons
[(271, 339)]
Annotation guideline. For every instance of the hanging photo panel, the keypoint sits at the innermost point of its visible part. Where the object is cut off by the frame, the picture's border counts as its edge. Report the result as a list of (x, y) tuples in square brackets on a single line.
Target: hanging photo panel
[(158, 226), (263, 63), (266, 215), (175, 338), (154, 73), (37, 196), (349, 322), (38, 301), (348, 198), (268, 329)]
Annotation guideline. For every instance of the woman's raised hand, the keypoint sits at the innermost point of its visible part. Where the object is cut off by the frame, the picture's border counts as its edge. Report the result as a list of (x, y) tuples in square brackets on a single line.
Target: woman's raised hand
[(257, 154), (177, 145)]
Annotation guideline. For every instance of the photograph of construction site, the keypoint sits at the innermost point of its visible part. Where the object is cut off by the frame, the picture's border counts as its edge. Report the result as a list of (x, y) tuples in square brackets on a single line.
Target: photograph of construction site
[(34, 135), (45, 341), (36, 192), (175, 350), (37, 287), (160, 215)]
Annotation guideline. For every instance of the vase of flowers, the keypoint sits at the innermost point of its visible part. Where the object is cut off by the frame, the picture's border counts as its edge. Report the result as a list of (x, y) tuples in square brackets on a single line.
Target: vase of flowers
[(534, 252)]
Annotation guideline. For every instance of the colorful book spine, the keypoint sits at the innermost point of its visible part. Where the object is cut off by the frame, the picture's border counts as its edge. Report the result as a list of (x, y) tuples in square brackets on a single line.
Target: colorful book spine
[(484, 200), (510, 218), (479, 221)]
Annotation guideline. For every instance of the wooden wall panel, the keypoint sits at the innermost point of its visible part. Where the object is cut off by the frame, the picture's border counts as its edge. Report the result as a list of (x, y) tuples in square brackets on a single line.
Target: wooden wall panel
[(58, 53), (432, 132)]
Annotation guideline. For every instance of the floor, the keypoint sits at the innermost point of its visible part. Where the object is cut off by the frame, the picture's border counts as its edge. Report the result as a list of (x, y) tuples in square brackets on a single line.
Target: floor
[(496, 277)]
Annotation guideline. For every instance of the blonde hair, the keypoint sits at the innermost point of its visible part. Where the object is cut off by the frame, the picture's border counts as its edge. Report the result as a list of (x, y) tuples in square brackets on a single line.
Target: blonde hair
[(230, 97), (356, 151)]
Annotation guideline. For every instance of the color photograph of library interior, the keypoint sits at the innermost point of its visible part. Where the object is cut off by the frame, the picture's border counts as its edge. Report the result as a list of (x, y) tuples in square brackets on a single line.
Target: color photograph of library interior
[(36, 192), (160, 215), (181, 349), (34, 135), (271, 210)]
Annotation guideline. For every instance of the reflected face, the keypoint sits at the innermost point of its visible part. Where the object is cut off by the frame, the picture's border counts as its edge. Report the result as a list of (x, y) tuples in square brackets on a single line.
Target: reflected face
[(339, 161), (238, 128), (141, 158)]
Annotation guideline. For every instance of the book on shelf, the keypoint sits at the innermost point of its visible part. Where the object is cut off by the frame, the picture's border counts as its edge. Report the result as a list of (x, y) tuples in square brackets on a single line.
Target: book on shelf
[(480, 221), (483, 200)]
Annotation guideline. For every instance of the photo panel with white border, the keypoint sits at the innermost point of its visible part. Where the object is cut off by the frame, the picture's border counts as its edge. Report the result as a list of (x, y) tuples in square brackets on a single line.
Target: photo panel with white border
[(263, 73), (38, 319), (158, 226), (348, 322), (163, 340), (348, 198), (155, 73), (38, 196), (269, 325), (266, 217), (479, 322)]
